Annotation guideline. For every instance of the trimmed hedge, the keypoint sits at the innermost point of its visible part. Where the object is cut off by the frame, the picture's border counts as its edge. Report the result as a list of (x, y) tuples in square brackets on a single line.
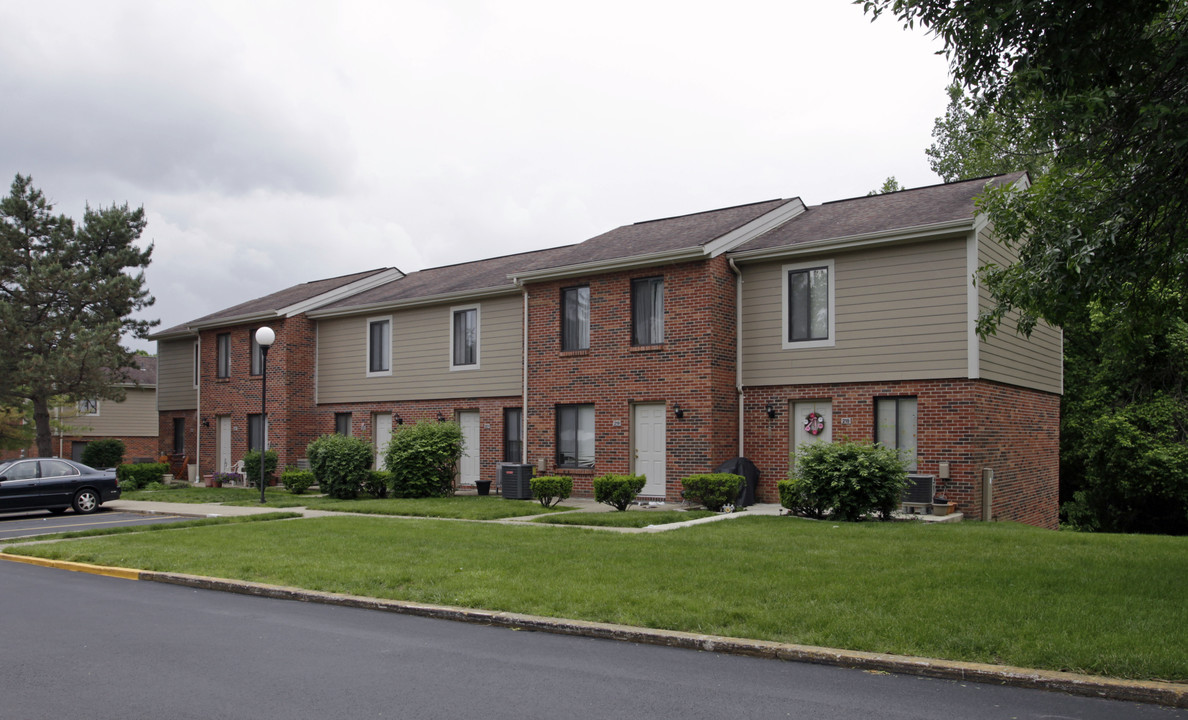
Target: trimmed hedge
[(105, 453), (376, 483), (251, 467), (713, 490), (847, 480), (618, 490), (339, 463), (423, 459), (551, 489), (135, 476), (297, 481)]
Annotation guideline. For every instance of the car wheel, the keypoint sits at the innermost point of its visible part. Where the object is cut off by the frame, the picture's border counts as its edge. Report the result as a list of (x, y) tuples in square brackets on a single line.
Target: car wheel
[(56, 511), (86, 501)]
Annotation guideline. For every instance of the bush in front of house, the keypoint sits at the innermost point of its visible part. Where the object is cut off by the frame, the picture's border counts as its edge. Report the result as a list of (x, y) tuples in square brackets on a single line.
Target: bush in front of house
[(848, 480), (377, 483), (423, 459), (297, 481), (251, 467), (134, 476), (551, 489), (618, 490), (105, 453), (339, 464), (713, 490)]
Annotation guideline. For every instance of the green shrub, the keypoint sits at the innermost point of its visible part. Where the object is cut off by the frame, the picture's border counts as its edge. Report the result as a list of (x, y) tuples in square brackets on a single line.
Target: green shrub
[(297, 481), (376, 484), (339, 463), (551, 489), (846, 479), (713, 490), (423, 459), (135, 476), (105, 453), (618, 490), (251, 467)]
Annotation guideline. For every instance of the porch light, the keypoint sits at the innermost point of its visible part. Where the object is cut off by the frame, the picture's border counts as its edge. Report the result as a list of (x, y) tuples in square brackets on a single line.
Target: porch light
[(677, 411), (771, 411), (399, 420), (440, 417)]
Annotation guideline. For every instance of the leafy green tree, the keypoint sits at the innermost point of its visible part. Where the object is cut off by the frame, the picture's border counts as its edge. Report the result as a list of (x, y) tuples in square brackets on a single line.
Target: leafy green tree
[(889, 185), (67, 293), (972, 141), (16, 427)]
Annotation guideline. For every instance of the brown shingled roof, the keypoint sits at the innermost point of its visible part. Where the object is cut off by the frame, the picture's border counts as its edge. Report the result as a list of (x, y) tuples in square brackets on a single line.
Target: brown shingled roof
[(143, 371), (879, 213)]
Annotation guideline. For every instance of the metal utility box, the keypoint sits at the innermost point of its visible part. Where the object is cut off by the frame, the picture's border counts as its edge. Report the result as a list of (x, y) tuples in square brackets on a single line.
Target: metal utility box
[(514, 481)]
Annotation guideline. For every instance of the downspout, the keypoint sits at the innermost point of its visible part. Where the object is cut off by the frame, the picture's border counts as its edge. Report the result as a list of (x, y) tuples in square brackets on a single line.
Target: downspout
[(738, 381), (198, 419), (524, 380)]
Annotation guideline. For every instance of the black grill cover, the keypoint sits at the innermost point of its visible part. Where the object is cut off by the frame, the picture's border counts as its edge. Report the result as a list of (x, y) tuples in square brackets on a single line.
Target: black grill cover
[(746, 468)]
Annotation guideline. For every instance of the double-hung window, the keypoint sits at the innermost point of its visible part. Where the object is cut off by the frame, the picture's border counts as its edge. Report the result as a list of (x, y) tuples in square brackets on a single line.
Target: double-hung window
[(895, 427), (647, 311), (464, 338), (88, 406), (808, 305), (575, 318), (342, 424), (257, 355), (223, 344), (379, 346), (513, 438), (575, 436), (257, 432)]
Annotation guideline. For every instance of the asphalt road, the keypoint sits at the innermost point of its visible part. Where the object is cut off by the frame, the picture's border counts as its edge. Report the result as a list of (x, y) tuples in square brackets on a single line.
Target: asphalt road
[(41, 522), (78, 645)]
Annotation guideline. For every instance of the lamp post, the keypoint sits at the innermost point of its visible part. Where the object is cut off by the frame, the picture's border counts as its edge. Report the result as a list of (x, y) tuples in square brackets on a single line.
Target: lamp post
[(264, 338)]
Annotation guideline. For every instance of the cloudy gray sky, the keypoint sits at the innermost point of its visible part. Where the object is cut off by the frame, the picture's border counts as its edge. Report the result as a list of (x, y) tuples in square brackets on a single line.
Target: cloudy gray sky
[(273, 143)]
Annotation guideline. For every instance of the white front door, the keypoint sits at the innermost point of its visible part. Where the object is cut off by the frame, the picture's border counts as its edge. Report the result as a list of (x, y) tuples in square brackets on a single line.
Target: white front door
[(812, 421), (381, 435), (223, 441), (651, 461), (468, 467)]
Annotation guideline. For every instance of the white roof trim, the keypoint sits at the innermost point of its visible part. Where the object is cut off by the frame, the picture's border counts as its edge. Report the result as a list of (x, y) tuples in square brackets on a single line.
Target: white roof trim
[(367, 283), (755, 228)]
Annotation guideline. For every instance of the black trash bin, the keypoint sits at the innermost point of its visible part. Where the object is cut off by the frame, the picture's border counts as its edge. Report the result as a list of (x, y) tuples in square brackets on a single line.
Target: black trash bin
[(750, 473)]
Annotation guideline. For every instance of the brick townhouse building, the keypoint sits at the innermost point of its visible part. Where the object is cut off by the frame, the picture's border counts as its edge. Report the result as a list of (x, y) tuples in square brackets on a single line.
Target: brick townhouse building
[(662, 348)]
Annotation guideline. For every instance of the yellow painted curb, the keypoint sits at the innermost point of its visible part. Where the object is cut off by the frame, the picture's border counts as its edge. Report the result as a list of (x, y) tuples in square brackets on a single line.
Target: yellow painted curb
[(115, 572)]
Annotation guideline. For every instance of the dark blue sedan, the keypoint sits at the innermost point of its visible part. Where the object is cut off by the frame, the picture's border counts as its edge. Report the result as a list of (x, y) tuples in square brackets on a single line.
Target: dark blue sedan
[(55, 484)]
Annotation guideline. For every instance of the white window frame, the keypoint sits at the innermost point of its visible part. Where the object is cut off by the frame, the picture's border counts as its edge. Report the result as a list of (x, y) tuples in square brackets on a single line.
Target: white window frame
[(82, 410), (367, 346), (478, 325), (787, 342)]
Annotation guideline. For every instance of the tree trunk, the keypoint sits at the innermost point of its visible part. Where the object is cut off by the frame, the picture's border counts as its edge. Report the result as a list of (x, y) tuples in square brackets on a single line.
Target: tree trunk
[(41, 419)]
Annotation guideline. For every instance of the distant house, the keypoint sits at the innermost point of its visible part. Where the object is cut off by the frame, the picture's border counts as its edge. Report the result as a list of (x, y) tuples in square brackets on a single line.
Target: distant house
[(661, 348), (132, 420)]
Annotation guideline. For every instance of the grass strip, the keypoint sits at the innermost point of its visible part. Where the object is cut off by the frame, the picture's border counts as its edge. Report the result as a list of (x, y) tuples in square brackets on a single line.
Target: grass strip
[(1002, 593), (629, 519), (156, 527)]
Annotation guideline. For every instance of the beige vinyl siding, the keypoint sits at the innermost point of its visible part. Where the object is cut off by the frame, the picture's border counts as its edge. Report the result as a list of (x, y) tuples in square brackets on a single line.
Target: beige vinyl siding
[(1035, 362), (421, 355), (175, 375), (134, 416), (900, 314)]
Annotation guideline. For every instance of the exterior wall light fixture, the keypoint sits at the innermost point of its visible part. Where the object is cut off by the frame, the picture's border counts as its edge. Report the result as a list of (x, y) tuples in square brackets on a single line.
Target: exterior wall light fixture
[(677, 410), (771, 411)]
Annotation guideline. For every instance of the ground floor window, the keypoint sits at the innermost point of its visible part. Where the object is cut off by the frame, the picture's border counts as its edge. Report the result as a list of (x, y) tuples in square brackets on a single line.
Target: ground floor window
[(513, 439), (575, 436), (342, 423), (257, 432), (895, 427), (179, 435)]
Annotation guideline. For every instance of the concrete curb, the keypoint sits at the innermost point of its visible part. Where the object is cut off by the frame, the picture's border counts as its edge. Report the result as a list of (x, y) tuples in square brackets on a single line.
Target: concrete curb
[(1154, 692)]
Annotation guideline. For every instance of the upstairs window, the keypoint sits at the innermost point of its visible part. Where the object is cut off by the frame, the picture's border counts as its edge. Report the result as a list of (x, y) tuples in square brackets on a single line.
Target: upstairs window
[(223, 368), (88, 406), (257, 355), (464, 338), (647, 311), (808, 303), (379, 346), (575, 318), (197, 364)]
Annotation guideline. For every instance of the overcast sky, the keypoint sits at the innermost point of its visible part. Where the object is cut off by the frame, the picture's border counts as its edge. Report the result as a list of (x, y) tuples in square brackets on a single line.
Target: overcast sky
[(273, 143)]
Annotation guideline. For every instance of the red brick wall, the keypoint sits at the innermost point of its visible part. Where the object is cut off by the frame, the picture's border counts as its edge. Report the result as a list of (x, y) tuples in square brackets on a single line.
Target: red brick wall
[(165, 432), (695, 367), (971, 424), (490, 421), (134, 447)]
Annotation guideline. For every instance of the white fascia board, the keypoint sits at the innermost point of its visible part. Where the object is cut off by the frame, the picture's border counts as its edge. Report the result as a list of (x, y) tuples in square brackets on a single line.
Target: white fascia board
[(174, 335), (234, 320), (918, 232), (603, 266), (454, 297), (367, 283), (755, 228)]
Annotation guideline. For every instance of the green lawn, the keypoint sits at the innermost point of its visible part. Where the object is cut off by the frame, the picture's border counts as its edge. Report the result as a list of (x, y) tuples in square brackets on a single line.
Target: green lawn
[(1001, 593), (465, 507), (630, 518)]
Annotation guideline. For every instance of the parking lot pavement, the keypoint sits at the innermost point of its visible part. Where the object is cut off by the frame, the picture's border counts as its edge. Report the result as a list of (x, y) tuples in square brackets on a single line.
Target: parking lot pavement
[(40, 522)]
